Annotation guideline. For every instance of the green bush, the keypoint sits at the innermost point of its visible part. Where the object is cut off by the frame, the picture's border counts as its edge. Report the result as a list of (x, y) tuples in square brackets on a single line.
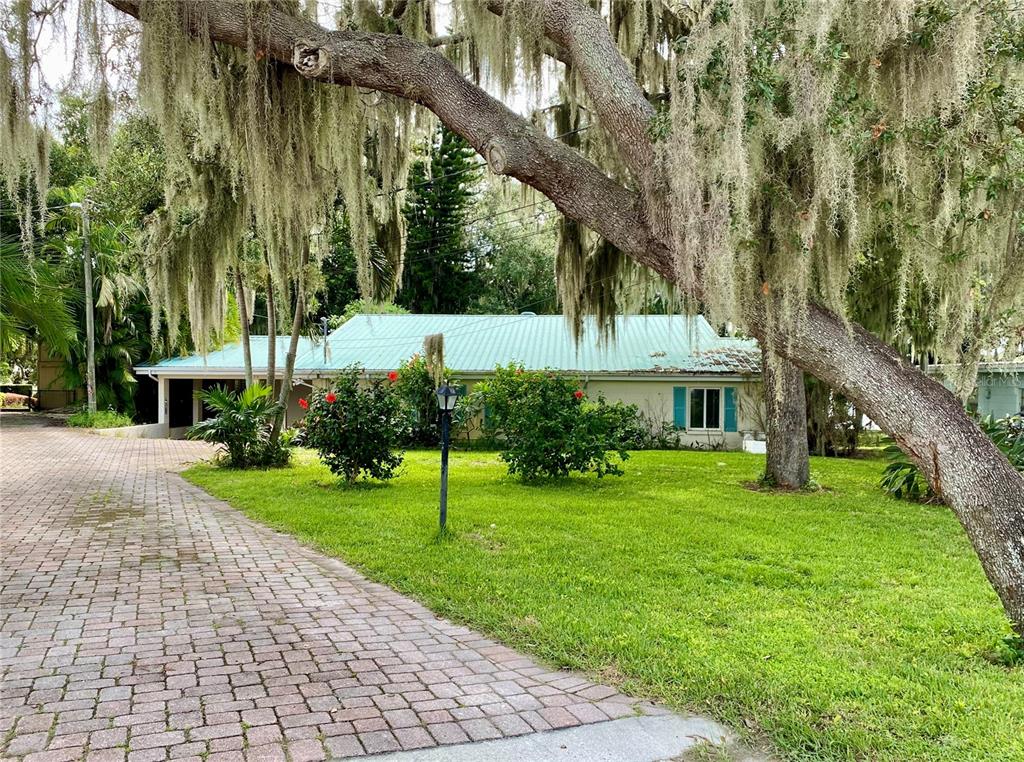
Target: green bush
[(242, 424), (101, 419), (1008, 435), (357, 429), (415, 388), (902, 478), (546, 426)]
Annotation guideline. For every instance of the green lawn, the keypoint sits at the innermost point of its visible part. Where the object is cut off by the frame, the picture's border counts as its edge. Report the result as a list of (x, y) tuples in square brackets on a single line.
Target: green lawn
[(840, 624)]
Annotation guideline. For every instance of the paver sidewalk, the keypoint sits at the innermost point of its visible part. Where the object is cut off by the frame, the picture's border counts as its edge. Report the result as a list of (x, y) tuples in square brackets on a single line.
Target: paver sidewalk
[(144, 620)]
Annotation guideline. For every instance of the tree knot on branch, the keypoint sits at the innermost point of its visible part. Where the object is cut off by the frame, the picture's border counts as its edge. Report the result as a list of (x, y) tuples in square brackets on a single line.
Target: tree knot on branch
[(496, 155), (309, 58)]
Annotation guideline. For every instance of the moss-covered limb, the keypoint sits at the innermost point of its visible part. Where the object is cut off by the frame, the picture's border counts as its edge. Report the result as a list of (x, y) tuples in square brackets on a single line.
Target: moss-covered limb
[(413, 71), (611, 87)]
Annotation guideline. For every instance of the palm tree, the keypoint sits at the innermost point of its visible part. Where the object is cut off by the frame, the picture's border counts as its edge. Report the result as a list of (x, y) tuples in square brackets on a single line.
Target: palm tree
[(242, 424), (121, 311), (33, 303)]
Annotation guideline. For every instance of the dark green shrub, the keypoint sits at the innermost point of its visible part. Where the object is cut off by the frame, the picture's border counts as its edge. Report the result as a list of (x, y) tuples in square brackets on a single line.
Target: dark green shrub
[(242, 424), (546, 426), (902, 478), (625, 424), (415, 387), (357, 429), (1008, 435)]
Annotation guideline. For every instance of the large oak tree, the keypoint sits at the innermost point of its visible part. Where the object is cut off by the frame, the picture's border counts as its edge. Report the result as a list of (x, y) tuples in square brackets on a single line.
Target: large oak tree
[(746, 152)]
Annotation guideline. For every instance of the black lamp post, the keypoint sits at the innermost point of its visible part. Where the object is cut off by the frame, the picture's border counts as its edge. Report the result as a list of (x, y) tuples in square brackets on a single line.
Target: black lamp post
[(447, 396)]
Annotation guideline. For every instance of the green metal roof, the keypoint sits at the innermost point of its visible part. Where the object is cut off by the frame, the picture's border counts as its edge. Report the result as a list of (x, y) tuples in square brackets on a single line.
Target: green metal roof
[(230, 357), (477, 343)]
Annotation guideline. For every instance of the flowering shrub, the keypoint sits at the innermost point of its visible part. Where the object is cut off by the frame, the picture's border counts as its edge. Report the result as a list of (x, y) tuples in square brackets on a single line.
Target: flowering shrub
[(548, 427), (357, 430)]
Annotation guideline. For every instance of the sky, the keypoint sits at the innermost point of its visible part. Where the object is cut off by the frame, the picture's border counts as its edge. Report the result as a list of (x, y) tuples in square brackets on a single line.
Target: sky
[(57, 49)]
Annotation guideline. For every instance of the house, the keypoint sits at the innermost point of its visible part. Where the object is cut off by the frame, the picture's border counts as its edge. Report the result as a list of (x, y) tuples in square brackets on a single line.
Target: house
[(179, 378), (675, 368), (999, 391)]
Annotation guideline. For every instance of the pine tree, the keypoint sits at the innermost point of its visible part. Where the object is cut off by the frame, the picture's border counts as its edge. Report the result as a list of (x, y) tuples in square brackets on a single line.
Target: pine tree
[(440, 273)]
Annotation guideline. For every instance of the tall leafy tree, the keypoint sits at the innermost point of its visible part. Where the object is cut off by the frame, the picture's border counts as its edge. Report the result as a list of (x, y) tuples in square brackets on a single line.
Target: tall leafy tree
[(440, 272), (516, 250), (33, 302)]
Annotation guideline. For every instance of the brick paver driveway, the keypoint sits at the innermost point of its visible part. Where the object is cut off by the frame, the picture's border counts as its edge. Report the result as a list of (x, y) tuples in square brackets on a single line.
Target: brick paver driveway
[(142, 619)]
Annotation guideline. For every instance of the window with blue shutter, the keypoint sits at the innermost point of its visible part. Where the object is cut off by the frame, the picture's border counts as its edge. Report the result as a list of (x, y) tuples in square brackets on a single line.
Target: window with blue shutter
[(679, 407), (730, 408)]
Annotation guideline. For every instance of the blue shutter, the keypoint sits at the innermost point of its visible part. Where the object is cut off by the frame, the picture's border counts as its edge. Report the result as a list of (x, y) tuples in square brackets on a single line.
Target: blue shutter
[(730, 408), (679, 406)]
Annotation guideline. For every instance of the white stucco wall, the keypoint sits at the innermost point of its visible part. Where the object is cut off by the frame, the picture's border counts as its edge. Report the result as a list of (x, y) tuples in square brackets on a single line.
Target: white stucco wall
[(653, 396)]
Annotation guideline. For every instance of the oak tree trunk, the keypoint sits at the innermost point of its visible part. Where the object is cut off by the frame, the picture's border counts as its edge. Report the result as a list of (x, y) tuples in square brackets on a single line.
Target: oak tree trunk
[(787, 464), (930, 424)]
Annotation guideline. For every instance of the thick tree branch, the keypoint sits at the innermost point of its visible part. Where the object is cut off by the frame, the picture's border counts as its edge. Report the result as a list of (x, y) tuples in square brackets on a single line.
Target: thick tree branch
[(618, 99), (412, 70), (930, 424)]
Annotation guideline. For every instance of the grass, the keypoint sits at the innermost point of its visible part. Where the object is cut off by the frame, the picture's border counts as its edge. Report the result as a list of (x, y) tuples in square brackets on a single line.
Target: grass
[(838, 624), (101, 419)]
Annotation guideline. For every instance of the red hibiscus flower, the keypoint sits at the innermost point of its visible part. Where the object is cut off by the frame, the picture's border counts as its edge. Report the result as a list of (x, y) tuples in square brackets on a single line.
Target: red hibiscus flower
[(303, 404), (331, 398), (578, 394), (392, 375)]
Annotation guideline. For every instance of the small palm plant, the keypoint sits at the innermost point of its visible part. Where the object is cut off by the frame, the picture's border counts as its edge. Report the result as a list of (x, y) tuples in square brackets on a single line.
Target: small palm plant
[(242, 424), (902, 478)]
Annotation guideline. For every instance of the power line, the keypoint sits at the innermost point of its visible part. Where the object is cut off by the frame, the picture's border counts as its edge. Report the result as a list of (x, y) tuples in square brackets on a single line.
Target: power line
[(426, 252)]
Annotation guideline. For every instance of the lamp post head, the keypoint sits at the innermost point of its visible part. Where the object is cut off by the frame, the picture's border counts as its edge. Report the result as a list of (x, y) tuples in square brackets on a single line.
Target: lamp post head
[(447, 396)]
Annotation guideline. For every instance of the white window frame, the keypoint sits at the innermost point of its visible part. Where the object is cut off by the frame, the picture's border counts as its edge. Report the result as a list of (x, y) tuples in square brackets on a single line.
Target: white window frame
[(721, 408)]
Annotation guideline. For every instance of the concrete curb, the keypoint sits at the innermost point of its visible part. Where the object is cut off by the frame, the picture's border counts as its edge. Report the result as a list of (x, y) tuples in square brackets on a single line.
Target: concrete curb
[(631, 739)]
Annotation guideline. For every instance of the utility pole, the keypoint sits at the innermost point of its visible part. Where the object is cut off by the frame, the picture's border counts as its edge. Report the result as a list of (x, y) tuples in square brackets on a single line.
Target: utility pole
[(90, 328)]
